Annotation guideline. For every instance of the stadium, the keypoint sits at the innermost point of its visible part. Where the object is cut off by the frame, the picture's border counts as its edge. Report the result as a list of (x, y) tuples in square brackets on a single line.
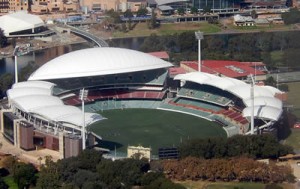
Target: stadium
[(46, 109)]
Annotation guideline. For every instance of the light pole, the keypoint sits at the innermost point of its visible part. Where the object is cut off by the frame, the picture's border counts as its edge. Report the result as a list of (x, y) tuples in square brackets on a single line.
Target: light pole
[(199, 37), (252, 103), (83, 95), (18, 51), (15, 53)]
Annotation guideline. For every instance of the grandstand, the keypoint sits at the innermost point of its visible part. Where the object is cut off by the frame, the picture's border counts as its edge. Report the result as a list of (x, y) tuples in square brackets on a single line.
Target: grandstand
[(126, 79)]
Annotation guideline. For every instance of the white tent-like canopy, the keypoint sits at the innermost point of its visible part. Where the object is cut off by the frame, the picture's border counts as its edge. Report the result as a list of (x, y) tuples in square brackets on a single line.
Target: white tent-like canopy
[(30, 103), (19, 21), (19, 92), (265, 112), (35, 84), (265, 104), (97, 62), (66, 114), (35, 98)]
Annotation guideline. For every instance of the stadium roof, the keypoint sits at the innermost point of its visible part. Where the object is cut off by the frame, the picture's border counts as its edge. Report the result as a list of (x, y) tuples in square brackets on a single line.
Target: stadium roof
[(19, 21), (29, 98), (35, 84), (97, 61), (265, 112), (18, 92), (167, 2), (263, 96)]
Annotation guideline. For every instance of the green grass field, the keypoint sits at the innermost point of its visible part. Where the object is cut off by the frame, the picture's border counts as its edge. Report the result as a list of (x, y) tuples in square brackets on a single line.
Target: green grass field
[(151, 128), (293, 98), (9, 180)]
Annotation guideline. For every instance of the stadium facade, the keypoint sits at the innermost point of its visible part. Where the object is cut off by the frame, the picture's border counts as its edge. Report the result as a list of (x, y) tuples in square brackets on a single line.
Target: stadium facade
[(43, 111)]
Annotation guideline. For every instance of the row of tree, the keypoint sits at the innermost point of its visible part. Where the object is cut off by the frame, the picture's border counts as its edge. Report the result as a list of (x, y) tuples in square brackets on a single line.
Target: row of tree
[(89, 170), (242, 47), (7, 79), (254, 146), (235, 169), (3, 39)]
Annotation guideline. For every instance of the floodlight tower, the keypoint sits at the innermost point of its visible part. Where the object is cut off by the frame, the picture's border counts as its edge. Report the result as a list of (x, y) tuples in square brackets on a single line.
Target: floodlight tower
[(252, 103), (83, 95), (199, 37), (15, 53)]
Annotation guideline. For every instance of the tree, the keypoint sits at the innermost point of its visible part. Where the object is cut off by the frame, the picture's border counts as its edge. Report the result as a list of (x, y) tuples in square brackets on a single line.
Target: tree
[(3, 185), (24, 175), (291, 17), (194, 10), (3, 38), (115, 16), (128, 14), (180, 11), (152, 24), (291, 57), (254, 14), (142, 12), (26, 71), (6, 81), (49, 175)]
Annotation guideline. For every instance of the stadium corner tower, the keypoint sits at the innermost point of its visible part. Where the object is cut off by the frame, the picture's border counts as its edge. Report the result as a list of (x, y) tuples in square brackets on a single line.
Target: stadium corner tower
[(42, 112)]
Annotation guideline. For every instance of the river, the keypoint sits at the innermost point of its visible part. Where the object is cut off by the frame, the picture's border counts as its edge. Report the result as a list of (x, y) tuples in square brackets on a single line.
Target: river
[(42, 56)]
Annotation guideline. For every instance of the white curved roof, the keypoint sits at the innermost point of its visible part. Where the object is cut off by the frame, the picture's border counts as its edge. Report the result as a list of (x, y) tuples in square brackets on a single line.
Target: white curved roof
[(234, 86), (267, 112), (209, 79), (66, 114), (29, 84), (265, 101), (18, 92), (31, 102), (97, 61), (90, 118), (266, 105), (273, 89), (19, 21), (165, 2), (35, 97)]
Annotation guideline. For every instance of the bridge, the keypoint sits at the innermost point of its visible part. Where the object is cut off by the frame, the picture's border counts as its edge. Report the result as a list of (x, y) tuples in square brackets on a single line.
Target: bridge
[(98, 40)]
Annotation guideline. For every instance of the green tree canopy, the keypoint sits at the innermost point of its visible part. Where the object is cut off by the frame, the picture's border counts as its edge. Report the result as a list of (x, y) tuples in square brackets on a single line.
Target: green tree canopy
[(128, 14), (3, 39), (292, 16), (142, 12)]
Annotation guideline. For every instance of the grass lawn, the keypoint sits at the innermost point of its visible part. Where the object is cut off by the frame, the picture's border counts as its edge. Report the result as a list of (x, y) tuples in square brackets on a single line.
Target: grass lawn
[(9, 180), (151, 128), (276, 57), (228, 185), (294, 139), (294, 99), (141, 29)]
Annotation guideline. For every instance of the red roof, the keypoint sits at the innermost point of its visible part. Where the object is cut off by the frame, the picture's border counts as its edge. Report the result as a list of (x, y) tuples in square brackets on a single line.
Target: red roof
[(228, 68), (160, 54), (176, 71)]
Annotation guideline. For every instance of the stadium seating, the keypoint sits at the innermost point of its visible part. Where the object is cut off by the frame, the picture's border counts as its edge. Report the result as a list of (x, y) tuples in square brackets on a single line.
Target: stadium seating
[(205, 93)]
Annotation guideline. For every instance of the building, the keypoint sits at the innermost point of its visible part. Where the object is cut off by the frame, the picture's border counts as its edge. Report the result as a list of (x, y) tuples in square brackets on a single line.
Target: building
[(239, 20), (27, 25), (7, 6), (43, 6), (35, 118), (138, 151), (228, 68)]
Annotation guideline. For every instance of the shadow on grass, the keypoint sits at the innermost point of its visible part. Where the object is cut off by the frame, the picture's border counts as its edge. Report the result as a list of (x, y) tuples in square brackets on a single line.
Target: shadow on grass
[(109, 144), (284, 126)]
